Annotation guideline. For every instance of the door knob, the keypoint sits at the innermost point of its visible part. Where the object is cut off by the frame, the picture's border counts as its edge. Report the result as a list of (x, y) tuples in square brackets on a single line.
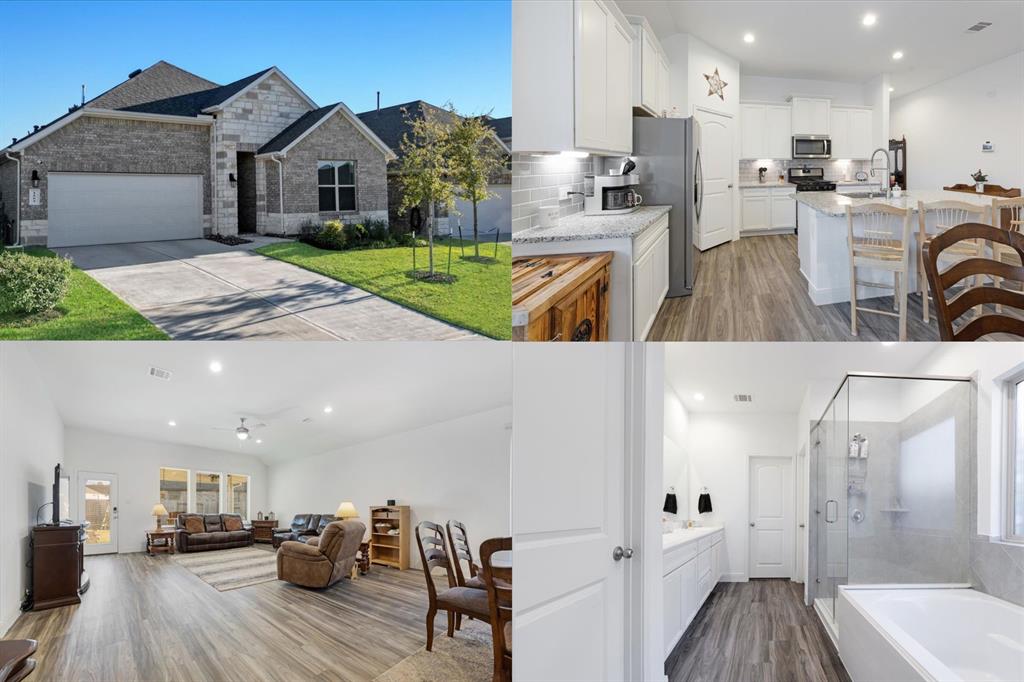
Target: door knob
[(619, 553), (751, 524)]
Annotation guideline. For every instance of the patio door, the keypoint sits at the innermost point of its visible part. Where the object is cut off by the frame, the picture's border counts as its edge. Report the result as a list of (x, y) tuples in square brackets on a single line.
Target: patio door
[(97, 500)]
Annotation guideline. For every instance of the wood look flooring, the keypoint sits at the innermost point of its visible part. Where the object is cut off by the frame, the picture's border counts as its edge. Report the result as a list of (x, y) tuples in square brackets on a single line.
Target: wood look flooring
[(752, 290), (758, 630), (147, 618)]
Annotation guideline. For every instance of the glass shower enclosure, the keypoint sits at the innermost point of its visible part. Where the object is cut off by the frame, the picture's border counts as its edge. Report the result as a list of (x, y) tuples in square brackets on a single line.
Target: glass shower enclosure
[(890, 485)]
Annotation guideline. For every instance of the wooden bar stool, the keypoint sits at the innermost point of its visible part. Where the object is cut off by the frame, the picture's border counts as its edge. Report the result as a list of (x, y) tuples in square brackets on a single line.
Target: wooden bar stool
[(882, 244), (16, 662), (947, 214)]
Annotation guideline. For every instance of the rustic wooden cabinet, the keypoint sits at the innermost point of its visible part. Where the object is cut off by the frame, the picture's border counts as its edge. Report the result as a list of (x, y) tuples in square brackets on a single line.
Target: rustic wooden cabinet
[(263, 530), (58, 566), (561, 298)]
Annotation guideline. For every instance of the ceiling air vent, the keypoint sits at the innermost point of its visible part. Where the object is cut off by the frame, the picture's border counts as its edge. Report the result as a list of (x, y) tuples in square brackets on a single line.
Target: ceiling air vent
[(743, 398), (158, 373), (980, 26)]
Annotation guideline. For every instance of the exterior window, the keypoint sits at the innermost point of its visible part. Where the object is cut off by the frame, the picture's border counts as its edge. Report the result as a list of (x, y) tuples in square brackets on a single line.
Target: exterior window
[(238, 495), (1014, 398), (336, 184), (207, 493), (174, 491)]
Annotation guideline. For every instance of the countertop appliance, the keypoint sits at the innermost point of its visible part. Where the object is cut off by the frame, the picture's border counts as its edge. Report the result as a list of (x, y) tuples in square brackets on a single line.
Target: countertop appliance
[(668, 150), (812, 147), (810, 180), (611, 194)]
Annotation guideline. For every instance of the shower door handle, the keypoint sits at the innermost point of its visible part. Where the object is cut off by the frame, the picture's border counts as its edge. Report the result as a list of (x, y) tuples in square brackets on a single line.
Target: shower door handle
[(835, 516)]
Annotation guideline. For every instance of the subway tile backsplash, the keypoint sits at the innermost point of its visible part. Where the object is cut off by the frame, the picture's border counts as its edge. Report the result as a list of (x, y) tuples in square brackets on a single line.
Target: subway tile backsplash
[(834, 170), (535, 182)]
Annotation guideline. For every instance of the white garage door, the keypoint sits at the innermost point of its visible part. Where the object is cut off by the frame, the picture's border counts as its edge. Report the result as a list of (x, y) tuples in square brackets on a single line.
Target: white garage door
[(112, 208)]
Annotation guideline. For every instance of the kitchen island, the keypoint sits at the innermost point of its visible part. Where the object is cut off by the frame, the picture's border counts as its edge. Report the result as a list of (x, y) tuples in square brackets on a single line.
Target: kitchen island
[(822, 244), (638, 279)]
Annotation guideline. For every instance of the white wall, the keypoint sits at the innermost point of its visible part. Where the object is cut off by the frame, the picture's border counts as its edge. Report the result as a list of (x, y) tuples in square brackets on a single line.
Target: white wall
[(720, 448), (987, 363), (774, 89), (491, 214), (137, 464), (31, 445), (676, 468), (947, 122), (457, 469)]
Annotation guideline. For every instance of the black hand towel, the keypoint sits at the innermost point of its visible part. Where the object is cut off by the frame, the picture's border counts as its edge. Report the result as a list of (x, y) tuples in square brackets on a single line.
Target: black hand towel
[(704, 503), (671, 506)]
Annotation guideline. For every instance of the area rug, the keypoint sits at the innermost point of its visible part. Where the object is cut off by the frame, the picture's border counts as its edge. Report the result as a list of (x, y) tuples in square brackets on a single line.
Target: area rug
[(466, 657), (229, 569)]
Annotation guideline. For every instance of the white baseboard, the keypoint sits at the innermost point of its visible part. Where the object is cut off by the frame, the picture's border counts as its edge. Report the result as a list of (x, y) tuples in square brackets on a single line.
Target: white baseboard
[(738, 577), (763, 232)]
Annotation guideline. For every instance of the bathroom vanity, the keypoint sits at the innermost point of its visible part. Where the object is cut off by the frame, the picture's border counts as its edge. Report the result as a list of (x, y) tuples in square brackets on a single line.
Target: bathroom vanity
[(693, 565)]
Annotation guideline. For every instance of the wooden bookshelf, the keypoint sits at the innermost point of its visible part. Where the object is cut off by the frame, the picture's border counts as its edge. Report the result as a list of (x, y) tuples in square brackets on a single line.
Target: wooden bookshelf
[(385, 548)]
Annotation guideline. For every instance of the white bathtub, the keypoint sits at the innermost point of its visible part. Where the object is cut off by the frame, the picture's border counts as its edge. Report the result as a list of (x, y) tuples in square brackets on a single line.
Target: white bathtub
[(904, 633)]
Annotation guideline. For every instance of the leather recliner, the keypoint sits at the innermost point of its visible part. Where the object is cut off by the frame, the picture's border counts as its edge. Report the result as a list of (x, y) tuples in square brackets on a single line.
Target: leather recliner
[(213, 535), (303, 526), (324, 563)]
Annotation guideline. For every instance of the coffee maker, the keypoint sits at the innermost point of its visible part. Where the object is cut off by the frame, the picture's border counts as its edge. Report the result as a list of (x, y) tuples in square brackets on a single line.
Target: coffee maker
[(610, 194)]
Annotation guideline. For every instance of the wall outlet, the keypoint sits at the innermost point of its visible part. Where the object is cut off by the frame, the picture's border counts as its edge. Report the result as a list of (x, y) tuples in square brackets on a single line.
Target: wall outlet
[(563, 192), (987, 146)]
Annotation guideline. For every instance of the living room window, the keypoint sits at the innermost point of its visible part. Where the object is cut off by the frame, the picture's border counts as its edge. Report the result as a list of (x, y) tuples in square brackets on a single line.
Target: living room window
[(336, 184), (207, 492), (238, 495), (174, 491), (1013, 398)]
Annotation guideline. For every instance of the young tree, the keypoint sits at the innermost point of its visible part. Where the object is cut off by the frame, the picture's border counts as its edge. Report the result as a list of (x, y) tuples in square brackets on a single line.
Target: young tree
[(476, 157), (424, 168)]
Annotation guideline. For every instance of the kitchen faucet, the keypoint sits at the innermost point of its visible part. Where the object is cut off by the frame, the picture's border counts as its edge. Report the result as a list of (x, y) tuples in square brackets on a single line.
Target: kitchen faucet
[(885, 153)]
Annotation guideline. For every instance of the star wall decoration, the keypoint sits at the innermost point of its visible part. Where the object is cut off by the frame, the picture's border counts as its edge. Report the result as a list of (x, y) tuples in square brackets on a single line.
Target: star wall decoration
[(716, 86)]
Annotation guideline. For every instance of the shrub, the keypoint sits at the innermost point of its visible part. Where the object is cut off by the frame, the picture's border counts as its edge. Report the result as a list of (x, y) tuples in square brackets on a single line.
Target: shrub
[(357, 235), (31, 284), (377, 230), (332, 235)]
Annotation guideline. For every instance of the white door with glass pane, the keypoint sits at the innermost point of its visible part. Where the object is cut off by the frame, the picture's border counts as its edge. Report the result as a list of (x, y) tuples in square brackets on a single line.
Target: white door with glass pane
[(97, 505)]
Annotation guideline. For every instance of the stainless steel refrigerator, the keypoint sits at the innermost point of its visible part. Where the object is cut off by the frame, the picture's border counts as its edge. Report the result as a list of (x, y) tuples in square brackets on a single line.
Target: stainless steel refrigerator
[(667, 154)]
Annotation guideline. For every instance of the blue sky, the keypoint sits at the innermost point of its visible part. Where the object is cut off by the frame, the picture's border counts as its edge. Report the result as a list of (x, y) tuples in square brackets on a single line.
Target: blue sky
[(435, 51)]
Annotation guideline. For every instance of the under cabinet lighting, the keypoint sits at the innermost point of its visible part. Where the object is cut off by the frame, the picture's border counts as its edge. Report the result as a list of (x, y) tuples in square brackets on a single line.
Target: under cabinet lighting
[(897, 55), (886, 344), (328, 409), (869, 20), (698, 396), (216, 367), (748, 37), (172, 423)]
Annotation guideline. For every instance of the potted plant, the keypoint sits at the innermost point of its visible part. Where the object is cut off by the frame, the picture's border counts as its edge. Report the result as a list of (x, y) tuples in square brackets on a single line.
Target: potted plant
[(979, 181)]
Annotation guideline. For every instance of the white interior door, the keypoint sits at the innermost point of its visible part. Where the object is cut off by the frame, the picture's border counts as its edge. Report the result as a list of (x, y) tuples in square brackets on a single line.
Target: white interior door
[(801, 516), (568, 513), (716, 154), (771, 517), (97, 500)]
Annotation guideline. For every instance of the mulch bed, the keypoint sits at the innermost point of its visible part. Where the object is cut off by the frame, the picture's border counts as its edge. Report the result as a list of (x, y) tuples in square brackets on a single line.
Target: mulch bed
[(228, 240)]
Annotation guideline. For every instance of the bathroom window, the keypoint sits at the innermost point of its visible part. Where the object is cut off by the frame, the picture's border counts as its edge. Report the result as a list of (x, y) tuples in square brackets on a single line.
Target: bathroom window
[(1014, 399)]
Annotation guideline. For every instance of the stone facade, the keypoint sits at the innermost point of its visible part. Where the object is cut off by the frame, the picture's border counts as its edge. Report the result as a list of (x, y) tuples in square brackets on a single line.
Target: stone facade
[(247, 123), (335, 139), (8, 190)]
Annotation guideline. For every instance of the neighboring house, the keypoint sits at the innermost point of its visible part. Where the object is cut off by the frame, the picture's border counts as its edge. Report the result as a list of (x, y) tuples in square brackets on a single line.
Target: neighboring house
[(391, 124), (169, 155)]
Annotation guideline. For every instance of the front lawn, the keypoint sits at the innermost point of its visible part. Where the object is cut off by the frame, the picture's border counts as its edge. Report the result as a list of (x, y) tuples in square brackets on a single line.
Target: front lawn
[(88, 312), (479, 300)]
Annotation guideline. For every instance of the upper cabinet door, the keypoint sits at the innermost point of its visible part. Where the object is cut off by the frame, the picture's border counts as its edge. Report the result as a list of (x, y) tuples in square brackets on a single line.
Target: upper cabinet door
[(664, 89), (619, 94), (839, 127), (777, 135), (752, 131), (650, 63), (592, 24), (860, 133), (810, 116)]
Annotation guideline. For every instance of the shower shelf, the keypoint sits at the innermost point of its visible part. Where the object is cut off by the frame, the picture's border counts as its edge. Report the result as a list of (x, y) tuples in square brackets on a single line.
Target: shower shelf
[(896, 511)]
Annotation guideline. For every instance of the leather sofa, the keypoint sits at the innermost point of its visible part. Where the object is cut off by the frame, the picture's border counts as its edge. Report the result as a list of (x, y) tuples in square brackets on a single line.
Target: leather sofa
[(321, 564), (213, 535), (303, 527)]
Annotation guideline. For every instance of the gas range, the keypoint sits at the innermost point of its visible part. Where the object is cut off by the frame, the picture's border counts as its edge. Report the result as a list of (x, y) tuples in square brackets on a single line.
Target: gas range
[(810, 180), (815, 186)]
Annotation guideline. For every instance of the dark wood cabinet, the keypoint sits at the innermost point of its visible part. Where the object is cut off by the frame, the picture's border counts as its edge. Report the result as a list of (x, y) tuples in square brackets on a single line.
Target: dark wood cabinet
[(58, 566), (561, 298), (263, 529)]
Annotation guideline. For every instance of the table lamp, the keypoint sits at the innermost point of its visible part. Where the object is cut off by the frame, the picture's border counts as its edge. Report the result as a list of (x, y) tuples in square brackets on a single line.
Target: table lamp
[(346, 510), (159, 511)]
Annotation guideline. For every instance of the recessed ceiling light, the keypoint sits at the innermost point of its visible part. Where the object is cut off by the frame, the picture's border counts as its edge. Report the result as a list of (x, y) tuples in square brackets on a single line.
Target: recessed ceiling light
[(888, 343), (258, 441), (748, 37), (869, 20), (172, 423), (891, 88), (216, 367), (698, 396), (328, 409), (897, 55)]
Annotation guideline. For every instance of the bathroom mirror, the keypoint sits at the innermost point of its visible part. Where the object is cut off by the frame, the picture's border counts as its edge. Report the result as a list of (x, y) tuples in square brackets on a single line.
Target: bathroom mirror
[(676, 471)]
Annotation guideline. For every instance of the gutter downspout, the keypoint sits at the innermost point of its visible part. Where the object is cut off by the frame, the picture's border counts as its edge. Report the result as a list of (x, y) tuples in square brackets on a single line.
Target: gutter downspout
[(17, 212), (280, 188)]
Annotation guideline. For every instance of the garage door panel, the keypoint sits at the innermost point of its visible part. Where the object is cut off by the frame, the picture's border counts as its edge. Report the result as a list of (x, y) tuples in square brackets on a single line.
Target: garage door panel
[(101, 208)]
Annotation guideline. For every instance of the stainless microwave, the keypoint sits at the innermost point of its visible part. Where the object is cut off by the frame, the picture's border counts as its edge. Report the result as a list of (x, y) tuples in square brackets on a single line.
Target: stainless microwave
[(812, 147)]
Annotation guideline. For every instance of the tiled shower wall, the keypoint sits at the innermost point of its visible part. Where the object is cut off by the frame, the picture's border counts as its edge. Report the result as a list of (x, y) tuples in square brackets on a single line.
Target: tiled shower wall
[(834, 170), (535, 182)]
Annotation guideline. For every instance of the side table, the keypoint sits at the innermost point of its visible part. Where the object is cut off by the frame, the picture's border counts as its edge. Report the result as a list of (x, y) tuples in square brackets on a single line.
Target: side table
[(263, 529), (160, 541)]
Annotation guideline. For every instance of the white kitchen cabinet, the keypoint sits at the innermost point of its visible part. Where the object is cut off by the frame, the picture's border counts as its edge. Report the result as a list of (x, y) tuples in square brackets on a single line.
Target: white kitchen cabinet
[(783, 208), (649, 65), (861, 122), (664, 90), (756, 209), (850, 132), (571, 84), (765, 131), (839, 127), (810, 116), (650, 78), (650, 277)]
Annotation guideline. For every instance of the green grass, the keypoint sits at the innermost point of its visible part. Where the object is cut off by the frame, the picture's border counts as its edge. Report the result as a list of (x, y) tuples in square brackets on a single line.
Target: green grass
[(88, 312), (480, 299)]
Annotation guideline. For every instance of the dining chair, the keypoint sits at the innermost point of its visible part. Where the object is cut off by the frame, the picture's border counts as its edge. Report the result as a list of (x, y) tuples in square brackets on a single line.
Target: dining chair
[(882, 243), (1007, 214), (949, 310), (498, 580), (454, 600), (947, 214), (461, 550)]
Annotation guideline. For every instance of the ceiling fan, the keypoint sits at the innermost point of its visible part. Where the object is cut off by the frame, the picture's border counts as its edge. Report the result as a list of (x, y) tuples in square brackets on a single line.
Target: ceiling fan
[(242, 431)]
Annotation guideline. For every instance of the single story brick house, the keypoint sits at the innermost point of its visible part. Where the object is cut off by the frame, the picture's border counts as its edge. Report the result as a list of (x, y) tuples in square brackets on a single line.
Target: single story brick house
[(170, 155)]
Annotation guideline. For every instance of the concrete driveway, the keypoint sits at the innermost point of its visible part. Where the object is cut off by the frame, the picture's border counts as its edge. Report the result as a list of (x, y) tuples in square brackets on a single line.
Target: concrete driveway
[(200, 289)]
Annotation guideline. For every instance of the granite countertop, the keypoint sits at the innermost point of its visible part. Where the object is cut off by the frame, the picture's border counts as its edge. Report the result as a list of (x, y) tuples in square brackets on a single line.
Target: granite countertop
[(834, 203), (579, 227), (770, 185), (683, 536)]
